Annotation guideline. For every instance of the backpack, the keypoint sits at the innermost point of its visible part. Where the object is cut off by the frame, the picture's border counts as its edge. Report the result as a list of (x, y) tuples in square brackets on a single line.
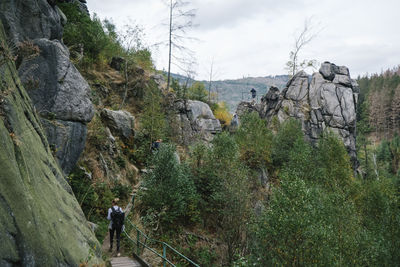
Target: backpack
[(117, 217)]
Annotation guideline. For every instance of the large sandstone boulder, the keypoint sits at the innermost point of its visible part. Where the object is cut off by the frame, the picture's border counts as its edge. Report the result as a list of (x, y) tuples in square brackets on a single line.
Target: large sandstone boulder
[(41, 222), (120, 122), (30, 19), (58, 91), (61, 91), (326, 101), (62, 98), (194, 121), (201, 117)]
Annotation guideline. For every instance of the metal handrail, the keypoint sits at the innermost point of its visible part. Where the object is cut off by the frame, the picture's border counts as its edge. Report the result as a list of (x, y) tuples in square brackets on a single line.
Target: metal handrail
[(165, 260), (139, 233)]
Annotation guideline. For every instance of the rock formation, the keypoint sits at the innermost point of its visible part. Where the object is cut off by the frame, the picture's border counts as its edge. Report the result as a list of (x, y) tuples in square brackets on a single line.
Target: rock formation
[(59, 93), (30, 19), (194, 120), (120, 122), (41, 223), (327, 101)]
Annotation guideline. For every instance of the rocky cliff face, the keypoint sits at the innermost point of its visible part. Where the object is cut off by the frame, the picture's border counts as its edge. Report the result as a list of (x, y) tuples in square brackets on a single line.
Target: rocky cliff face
[(326, 101), (41, 223), (58, 91)]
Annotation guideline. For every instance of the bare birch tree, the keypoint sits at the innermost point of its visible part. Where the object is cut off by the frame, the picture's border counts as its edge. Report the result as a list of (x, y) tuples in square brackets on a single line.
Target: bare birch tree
[(131, 37), (181, 18), (308, 33), (212, 74), (210, 80)]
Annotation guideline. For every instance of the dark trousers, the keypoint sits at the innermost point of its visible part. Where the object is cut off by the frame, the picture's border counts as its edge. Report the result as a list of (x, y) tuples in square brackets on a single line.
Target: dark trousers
[(118, 233)]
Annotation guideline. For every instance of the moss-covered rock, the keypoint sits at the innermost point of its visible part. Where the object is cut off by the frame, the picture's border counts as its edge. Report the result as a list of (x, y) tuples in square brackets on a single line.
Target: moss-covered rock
[(41, 223)]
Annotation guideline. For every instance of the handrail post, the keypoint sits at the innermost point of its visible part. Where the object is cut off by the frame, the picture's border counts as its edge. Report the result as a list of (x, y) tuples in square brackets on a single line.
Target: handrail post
[(164, 255), (138, 241)]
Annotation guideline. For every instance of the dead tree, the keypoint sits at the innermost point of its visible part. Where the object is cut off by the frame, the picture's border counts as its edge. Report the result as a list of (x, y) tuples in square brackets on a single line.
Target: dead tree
[(180, 21)]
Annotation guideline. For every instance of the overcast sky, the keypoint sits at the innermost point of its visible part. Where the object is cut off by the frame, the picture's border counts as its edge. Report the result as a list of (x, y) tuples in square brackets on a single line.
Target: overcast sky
[(254, 37)]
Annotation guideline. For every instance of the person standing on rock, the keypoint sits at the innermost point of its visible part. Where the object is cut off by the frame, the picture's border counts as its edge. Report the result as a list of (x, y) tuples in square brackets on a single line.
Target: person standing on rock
[(235, 120), (116, 217), (253, 94)]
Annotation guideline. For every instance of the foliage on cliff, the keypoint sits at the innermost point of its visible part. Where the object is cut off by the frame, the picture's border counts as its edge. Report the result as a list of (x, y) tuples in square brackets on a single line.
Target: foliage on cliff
[(92, 41)]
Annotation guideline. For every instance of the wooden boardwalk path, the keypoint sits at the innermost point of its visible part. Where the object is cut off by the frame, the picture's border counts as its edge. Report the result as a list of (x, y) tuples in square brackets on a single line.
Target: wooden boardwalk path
[(124, 262)]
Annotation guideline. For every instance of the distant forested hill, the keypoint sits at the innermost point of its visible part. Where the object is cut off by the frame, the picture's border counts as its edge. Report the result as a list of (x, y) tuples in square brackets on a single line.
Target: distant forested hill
[(234, 91)]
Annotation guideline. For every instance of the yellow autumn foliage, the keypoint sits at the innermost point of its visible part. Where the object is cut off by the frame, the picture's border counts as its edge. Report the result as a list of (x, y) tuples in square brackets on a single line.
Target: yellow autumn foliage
[(222, 114)]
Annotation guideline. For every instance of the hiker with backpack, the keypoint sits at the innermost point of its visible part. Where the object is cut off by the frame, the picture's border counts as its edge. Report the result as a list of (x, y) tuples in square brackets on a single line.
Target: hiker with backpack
[(253, 94), (156, 145), (116, 217)]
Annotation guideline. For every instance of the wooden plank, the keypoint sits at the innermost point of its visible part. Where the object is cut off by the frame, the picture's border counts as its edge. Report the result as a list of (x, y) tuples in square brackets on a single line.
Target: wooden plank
[(124, 262)]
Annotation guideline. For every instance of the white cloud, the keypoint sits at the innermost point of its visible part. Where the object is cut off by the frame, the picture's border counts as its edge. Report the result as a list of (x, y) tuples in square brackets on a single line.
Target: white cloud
[(254, 37)]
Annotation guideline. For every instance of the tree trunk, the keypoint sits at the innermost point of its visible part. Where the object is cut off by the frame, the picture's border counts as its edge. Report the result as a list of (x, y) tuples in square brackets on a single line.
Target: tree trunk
[(170, 46), (126, 84)]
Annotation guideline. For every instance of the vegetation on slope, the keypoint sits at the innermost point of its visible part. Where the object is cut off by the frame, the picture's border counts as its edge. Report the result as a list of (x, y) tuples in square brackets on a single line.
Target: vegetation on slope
[(106, 169), (314, 213)]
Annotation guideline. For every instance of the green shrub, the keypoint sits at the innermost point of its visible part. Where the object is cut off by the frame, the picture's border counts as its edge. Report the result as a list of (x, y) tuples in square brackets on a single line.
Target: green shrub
[(254, 140), (102, 230), (203, 255), (82, 32), (222, 182), (289, 132), (94, 198), (318, 215), (143, 59), (205, 180), (198, 92), (120, 162), (168, 191), (334, 162), (304, 225), (121, 191), (378, 202)]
